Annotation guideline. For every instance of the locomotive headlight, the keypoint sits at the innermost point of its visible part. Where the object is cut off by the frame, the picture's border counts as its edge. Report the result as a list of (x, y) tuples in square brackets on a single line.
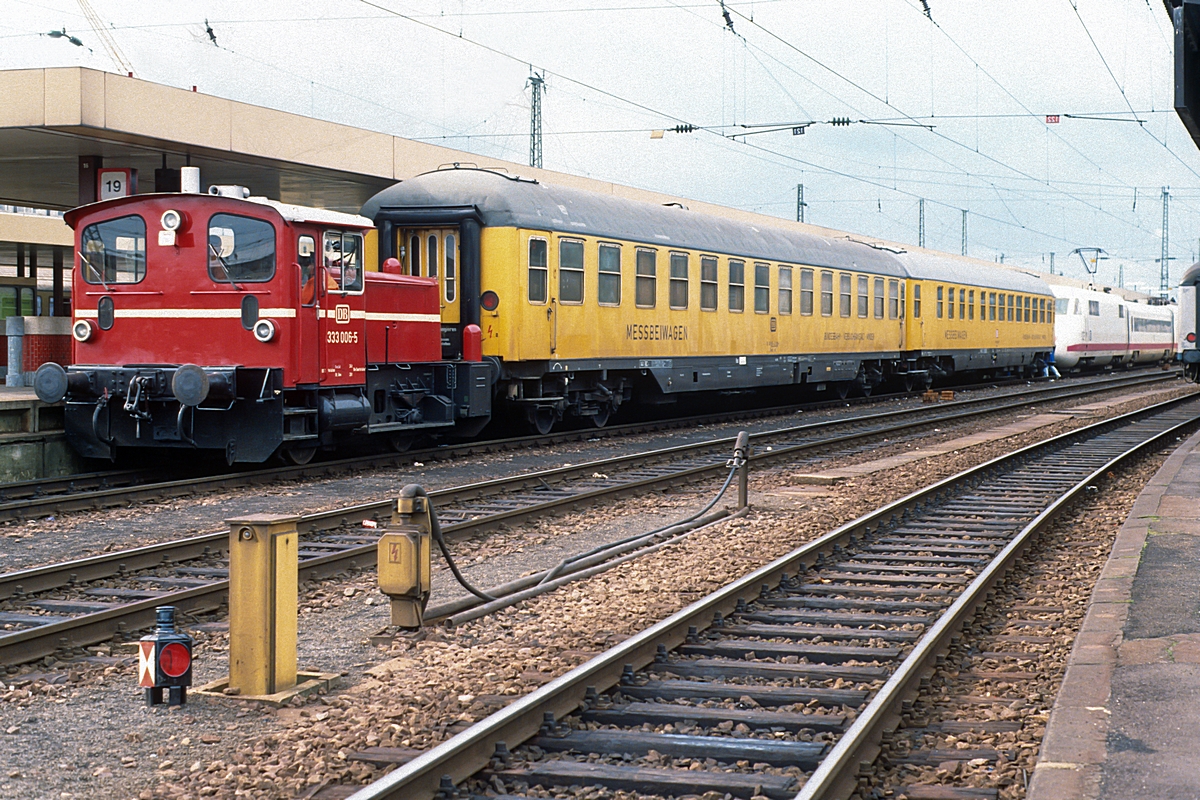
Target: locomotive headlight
[(264, 330), (83, 330), (171, 220)]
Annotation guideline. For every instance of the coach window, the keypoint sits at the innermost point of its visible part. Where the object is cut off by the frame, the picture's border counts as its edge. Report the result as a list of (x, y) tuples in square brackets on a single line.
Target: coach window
[(982, 304), (962, 303), (1012, 298), (971, 305), (432, 261), (864, 297), (1005, 307), (785, 290), (114, 251), (538, 248), (570, 271), (1042, 310), (708, 283), (450, 278), (878, 298), (646, 287), (940, 292), (762, 288), (414, 254), (845, 297), (1121, 311), (679, 280), (826, 294), (806, 292), (893, 300), (609, 288), (1093, 308), (916, 301), (737, 285), (950, 309), (991, 306)]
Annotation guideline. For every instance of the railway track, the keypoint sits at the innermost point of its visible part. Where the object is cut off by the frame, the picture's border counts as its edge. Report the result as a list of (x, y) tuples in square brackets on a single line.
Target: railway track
[(91, 491), (94, 599), (784, 683)]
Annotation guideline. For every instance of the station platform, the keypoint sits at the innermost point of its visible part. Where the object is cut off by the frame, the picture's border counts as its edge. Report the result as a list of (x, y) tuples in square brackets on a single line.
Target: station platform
[(1126, 720), (32, 442)]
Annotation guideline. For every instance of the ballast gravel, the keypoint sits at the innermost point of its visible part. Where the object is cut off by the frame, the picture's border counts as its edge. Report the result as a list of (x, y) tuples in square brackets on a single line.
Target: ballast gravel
[(89, 732)]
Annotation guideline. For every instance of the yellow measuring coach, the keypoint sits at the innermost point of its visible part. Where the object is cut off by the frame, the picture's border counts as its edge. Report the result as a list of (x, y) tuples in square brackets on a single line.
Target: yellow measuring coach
[(586, 301)]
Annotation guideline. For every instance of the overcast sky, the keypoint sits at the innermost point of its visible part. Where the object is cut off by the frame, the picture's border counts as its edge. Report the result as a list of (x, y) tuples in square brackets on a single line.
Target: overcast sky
[(983, 75)]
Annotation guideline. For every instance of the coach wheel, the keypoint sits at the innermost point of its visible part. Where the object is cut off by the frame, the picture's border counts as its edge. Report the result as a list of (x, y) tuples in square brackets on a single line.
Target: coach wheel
[(298, 455), (910, 382), (600, 418), (842, 388), (401, 442), (867, 388), (542, 419)]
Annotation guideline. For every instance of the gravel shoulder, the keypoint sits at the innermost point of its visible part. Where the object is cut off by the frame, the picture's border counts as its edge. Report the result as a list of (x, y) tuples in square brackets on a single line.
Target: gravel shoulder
[(80, 727)]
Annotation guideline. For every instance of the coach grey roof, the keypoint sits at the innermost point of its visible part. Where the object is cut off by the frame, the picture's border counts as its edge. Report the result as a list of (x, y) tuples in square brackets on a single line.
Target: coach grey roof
[(504, 201), (934, 267)]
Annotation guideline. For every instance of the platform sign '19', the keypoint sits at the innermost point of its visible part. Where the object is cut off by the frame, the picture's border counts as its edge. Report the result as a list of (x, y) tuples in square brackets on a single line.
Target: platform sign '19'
[(113, 183)]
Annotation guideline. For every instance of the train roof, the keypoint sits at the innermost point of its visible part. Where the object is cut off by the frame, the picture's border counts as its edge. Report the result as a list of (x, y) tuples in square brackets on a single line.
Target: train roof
[(927, 266), (507, 201)]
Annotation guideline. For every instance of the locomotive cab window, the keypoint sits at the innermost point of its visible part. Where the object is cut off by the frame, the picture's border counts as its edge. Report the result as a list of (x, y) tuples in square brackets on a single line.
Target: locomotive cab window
[(609, 285), (114, 251), (737, 285), (646, 287), (1093, 308), (708, 283), (679, 280), (343, 260), (241, 249), (537, 270), (306, 257), (570, 271)]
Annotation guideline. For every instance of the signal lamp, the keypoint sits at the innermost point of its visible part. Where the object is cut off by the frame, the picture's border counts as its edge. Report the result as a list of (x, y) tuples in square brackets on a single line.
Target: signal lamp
[(489, 300), (83, 330), (172, 220), (264, 330), (1191, 337)]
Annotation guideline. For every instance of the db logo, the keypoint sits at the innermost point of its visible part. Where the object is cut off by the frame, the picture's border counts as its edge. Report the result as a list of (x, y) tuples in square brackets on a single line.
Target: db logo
[(341, 315)]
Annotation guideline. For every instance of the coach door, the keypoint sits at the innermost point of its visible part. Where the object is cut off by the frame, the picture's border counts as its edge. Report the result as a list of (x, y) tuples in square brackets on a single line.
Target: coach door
[(543, 311), (342, 316), (307, 324), (433, 253)]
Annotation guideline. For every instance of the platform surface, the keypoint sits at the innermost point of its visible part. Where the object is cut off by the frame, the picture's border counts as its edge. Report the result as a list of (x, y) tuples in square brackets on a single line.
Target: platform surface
[(1126, 723)]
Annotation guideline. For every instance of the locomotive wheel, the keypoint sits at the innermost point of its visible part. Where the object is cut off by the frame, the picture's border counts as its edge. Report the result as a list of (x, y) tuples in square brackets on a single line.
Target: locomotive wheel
[(401, 442), (542, 419), (298, 455)]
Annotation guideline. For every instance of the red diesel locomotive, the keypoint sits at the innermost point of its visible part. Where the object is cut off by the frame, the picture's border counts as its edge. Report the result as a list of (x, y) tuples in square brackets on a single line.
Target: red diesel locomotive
[(242, 325)]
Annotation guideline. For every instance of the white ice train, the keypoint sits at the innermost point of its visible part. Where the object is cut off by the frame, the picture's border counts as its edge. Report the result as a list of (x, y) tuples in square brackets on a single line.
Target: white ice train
[(1099, 329)]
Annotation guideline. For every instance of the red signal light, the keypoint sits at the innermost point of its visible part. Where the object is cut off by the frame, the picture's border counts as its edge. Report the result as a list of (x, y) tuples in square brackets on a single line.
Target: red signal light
[(174, 660), (1191, 337), (489, 300)]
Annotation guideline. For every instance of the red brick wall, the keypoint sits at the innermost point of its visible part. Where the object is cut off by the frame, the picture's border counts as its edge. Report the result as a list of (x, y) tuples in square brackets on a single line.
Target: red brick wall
[(37, 349)]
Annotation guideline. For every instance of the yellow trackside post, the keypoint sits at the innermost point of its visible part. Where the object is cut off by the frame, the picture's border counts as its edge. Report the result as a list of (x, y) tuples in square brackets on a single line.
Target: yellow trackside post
[(405, 572), (263, 567)]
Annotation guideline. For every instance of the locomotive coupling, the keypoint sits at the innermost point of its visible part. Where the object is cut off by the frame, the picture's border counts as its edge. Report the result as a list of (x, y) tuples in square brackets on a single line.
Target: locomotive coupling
[(404, 556)]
